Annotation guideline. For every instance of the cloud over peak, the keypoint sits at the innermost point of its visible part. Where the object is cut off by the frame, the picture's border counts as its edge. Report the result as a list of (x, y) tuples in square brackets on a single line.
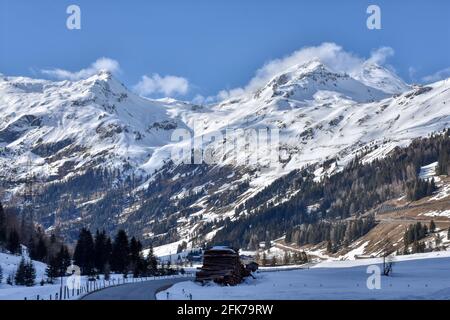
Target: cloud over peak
[(100, 64), (167, 85), (329, 53)]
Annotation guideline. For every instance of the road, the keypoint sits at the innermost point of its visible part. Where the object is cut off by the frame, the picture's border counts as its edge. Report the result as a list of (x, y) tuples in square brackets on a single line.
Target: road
[(134, 291), (411, 220)]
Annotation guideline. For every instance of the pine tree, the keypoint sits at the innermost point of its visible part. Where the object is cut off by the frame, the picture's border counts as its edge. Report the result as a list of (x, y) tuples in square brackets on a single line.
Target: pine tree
[(102, 250), (136, 260), (329, 246), (53, 269), (273, 262), (39, 251), (25, 274), (63, 260), (264, 259), (432, 226), (30, 274), (304, 257), (120, 253), (286, 258), (107, 271), (19, 278), (13, 244), (151, 262), (84, 254)]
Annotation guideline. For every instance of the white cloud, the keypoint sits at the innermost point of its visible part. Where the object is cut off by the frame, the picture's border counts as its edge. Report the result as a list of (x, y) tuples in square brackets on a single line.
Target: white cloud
[(380, 55), (439, 75), (412, 73), (99, 65), (167, 85), (331, 54)]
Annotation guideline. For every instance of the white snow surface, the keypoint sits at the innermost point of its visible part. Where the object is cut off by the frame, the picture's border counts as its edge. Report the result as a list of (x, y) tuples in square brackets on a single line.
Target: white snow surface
[(421, 276), (428, 171), (444, 213)]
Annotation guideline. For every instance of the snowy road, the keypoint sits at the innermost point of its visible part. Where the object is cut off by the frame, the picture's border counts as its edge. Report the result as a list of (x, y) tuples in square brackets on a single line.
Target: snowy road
[(134, 291)]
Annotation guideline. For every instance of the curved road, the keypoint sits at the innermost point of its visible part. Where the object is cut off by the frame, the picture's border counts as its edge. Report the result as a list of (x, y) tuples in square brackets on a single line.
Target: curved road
[(134, 291)]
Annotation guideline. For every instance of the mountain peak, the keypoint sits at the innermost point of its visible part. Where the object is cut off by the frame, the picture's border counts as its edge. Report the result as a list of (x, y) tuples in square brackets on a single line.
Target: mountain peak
[(104, 75), (381, 78), (307, 81)]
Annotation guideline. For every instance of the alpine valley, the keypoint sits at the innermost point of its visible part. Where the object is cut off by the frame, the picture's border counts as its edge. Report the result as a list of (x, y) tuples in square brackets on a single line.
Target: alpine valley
[(364, 156)]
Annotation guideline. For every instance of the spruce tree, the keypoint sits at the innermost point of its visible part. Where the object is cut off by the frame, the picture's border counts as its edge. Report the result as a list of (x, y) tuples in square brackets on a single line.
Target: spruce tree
[(120, 253), (53, 269), (84, 254), (13, 244), (63, 260), (151, 261), (25, 274), (264, 259), (329, 246), (19, 277), (39, 250), (273, 261), (30, 274), (432, 226), (136, 260), (102, 250)]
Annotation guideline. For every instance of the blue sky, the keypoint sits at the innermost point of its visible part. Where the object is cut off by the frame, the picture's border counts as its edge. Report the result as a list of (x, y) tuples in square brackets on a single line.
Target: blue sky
[(207, 46)]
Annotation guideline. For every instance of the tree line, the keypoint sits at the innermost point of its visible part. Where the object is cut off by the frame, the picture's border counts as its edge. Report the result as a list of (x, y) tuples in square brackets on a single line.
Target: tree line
[(99, 254)]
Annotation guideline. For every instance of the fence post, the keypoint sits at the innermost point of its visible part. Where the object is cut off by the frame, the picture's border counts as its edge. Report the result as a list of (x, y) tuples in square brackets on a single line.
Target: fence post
[(37, 297)]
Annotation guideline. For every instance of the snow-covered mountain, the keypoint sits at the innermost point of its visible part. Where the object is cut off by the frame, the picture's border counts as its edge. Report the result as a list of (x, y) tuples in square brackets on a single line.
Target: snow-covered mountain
[(67, 128)]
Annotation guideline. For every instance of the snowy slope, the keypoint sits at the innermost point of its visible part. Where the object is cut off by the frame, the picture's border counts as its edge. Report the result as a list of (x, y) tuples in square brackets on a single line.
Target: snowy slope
[(376, 76), (424, 276), (9, 264)]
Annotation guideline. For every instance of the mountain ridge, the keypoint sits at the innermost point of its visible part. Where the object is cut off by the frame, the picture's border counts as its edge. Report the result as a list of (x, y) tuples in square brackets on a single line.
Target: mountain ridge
[(83, 128)]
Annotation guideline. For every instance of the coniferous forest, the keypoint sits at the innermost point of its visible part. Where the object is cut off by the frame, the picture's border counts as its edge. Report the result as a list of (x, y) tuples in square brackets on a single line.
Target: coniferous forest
[(313, 214)]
